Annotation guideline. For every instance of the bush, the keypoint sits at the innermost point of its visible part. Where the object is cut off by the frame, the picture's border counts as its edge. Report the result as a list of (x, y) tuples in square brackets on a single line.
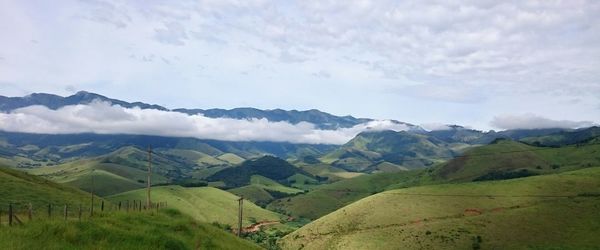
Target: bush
[(505, 175)]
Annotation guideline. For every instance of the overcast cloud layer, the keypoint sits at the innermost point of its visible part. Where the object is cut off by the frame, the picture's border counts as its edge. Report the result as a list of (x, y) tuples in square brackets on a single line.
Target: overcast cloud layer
[(419, 61), (531, 121), (103, 118)]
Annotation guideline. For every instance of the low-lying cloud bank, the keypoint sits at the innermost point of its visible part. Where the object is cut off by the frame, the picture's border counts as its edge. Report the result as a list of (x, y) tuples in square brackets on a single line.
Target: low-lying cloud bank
[(104, 118), (532, 121)]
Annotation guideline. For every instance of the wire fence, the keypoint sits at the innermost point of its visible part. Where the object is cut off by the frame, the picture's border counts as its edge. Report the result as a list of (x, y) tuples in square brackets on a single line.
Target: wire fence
[(20, 213)]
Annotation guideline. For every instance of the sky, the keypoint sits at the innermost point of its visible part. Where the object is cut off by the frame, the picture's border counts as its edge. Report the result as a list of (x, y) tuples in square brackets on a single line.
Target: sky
[(482, 64)]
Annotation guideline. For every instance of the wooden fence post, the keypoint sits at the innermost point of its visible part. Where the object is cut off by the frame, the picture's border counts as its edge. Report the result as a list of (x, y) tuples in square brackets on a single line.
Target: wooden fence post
[(102, 207), (49, 211), (79, 215), (10, 214), (66, 212), (119, 206), (30, 212)]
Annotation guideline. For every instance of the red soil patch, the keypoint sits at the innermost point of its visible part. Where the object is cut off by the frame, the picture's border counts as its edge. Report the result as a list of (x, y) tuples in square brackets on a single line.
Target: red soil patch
[(472, 211), (256, 226)]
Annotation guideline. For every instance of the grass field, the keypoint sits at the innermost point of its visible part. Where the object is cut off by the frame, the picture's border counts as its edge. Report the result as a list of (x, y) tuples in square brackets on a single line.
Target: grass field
[(269, 184), (117, 172), (327, 198), (231, 158), (303, 182), (557, 211), (205, 204), (167, 229), (325, 170), (20, 189), (254, 193), (260, 189), (506, 155)]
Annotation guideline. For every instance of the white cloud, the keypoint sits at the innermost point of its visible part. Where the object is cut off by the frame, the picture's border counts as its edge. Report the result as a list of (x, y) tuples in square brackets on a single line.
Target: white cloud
[(468, 56), (532, 121), (435, 126), (102, 118)]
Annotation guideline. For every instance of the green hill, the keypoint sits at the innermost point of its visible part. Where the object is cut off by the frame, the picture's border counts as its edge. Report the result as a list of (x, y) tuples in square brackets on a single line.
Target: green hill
[(404, 149), (327, 198), (119, 171), (168, 229), (263, 190), (505, 159), (324, 170), (558, 211), (564, 137), (268, 166), (205, 204), (231, 158), (21, 189)]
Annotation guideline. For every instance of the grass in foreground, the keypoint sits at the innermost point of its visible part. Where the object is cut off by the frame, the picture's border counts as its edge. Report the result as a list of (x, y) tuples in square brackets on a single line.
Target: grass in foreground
[(167, 229)]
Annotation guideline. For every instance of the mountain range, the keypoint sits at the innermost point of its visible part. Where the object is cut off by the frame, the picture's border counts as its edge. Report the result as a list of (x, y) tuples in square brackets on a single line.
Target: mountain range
[(369, 151)]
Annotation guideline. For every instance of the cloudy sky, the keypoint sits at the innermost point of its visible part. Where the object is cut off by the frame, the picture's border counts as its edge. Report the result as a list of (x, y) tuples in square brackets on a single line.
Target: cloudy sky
[(485, 64)]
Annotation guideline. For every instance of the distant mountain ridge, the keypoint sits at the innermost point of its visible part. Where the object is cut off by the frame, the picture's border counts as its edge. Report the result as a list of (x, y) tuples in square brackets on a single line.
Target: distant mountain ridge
[(51, 101), (321, 120)]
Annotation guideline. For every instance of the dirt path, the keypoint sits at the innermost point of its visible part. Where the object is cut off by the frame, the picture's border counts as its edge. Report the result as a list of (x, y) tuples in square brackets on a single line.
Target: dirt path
[(256, 226)]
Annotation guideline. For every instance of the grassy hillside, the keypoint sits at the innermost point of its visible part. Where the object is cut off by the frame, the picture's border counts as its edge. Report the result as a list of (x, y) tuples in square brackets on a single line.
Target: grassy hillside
[(168, 229), (21, 188), (205, 204), (564, 137), (327, 198), (268, 166), (332, 173), (120, 171), (263, 190), (559, 211), (505, 158), (402, 149), (254, 193), (231, 158)]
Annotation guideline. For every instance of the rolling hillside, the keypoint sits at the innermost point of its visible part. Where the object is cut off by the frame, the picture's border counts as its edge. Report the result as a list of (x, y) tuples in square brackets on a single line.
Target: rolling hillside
[(551, 211), (327, 198), (505, 159), (122, 170), (168, 229), (204, 204), (263, 190), (48, 149), (562, 138), (20, 188), (268, 166), (401, 150), (323, 170)]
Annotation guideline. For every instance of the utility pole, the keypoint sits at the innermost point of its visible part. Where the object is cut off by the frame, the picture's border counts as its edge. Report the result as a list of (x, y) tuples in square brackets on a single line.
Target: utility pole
[(241, 208), (149, 175), (92, 207)]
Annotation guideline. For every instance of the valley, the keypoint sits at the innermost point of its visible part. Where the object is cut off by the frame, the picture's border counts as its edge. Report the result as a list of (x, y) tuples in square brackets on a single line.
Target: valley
[(455, 188)]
